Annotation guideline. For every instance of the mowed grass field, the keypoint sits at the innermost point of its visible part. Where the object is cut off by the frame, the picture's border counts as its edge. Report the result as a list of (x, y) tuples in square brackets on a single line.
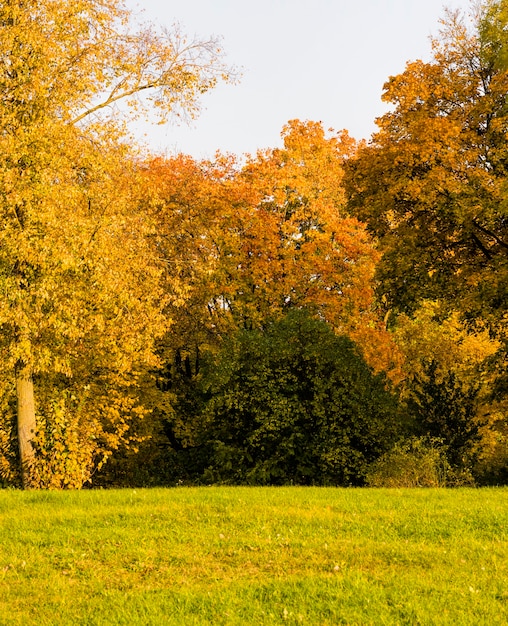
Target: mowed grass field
[(226, 555)]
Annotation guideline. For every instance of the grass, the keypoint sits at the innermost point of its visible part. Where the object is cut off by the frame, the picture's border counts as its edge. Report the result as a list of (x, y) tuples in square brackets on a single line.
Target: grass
[(222, 555)]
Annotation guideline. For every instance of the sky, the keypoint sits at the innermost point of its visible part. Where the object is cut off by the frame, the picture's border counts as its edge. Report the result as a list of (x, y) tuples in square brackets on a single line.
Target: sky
[(319, 60)]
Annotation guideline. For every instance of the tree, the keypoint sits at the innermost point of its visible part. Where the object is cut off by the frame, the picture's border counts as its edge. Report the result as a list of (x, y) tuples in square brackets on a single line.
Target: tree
[(80, 284), (319, 256), (255, 241), (432, 185), (433, 182), (447, 411), (293, 403), (192, 204), (448, 383)]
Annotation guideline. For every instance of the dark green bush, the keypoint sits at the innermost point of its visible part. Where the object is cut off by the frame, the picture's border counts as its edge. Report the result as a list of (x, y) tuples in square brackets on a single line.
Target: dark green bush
[(292, 403)]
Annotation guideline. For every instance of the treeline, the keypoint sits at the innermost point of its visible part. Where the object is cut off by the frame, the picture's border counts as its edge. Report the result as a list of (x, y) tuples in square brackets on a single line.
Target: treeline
[(328, 312)]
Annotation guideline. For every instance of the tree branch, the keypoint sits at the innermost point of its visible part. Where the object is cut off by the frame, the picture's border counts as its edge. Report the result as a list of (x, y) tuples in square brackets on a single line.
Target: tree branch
[(490, 234)]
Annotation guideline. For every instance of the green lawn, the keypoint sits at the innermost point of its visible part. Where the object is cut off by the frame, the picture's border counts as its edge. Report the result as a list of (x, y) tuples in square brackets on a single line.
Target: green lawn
[(224, 555)]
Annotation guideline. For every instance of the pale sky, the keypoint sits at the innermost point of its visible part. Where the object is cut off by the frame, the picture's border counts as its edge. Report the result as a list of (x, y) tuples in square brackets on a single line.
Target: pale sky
[(319, 60)]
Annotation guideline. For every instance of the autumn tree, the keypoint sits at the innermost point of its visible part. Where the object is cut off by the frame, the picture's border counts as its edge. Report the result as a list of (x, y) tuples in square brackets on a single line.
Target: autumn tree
[(256, 240), (192, 204), (320, 256), (80, 284), (432, 183), (432, 186)]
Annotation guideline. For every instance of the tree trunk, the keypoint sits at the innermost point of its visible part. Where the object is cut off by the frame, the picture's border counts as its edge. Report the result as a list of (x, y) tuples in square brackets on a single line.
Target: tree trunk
[(26, 421)]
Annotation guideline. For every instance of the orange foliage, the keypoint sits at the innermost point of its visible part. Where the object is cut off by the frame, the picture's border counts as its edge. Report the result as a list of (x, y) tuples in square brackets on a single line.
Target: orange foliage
[(250, 242)]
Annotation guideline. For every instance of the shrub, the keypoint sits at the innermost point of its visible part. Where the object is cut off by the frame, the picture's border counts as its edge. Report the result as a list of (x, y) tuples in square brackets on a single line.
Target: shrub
[(416, 462)]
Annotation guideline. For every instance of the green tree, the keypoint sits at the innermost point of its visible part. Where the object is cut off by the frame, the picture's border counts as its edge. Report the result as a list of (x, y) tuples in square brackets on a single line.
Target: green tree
[(290, 403), (79, 283), (445, 409)]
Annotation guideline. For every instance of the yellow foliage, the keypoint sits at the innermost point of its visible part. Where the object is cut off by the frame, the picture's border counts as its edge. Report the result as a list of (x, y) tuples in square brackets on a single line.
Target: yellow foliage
[(431, 335), (80, 281)]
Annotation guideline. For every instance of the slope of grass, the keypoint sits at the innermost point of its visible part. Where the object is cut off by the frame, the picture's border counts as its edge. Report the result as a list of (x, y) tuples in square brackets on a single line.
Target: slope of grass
[(254, 556)]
